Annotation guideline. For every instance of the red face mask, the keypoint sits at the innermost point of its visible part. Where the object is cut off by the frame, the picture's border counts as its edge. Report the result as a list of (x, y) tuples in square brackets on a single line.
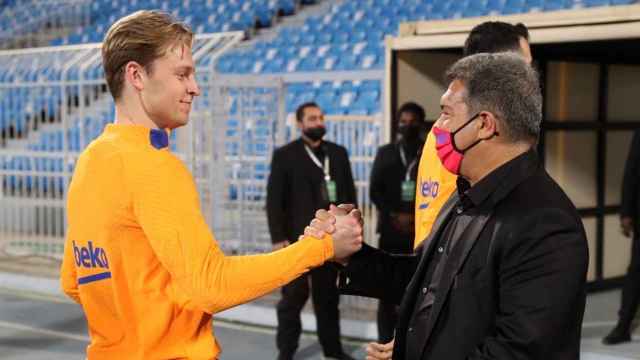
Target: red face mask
[(450, 155)]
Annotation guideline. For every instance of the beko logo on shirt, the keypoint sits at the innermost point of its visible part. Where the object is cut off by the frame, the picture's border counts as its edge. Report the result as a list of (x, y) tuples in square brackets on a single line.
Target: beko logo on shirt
[(90, 256), (430, 188)]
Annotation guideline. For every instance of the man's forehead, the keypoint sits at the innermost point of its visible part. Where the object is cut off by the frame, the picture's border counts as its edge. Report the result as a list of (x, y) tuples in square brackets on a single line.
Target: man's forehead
[(179, 51), (407, 115)]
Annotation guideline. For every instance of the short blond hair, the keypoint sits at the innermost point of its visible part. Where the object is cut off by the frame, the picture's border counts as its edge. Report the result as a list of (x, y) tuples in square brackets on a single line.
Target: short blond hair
[(143, 37)]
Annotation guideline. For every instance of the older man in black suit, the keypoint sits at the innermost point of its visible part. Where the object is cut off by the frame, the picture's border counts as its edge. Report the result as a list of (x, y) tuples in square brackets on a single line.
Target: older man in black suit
[(503, 275)]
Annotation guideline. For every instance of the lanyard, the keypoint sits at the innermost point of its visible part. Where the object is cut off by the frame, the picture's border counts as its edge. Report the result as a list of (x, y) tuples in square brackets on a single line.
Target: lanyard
[(315, 159), (409, 168)]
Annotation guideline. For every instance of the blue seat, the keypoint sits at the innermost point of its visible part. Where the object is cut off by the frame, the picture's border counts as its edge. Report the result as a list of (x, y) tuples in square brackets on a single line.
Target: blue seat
[(534, 5), (368, 95), (370, 61), (358, 109), (275, 65), (287, 7), (513, 6), (554, 5), (306, 96), (594, 3), (326, 99), (347, 62), (346, 98)]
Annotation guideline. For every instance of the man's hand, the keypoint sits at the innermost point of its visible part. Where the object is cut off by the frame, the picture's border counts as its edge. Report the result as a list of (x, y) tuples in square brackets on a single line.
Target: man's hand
[(377, 351), (344, 223), (626, 225), (280, 245)]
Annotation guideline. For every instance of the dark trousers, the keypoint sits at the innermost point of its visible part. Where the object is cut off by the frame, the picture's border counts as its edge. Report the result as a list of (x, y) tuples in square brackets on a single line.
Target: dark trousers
[(631, 288), (387, 318), (325, 305)]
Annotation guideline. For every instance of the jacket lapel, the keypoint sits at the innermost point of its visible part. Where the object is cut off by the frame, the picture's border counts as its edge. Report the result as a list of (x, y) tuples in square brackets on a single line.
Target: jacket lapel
[(459, 254), (438, 226), (408, 300)]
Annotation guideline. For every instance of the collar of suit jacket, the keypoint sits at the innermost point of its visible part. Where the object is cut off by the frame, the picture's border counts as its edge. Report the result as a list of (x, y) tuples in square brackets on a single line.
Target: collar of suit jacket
[(499, 182)]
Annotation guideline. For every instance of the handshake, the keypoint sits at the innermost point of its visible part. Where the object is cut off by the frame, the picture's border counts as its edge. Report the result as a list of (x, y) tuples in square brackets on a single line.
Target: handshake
[(344, 224)]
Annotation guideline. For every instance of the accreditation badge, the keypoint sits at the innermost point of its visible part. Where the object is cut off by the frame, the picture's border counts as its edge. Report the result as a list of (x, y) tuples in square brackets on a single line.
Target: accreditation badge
[(332, 191), (408, 190)]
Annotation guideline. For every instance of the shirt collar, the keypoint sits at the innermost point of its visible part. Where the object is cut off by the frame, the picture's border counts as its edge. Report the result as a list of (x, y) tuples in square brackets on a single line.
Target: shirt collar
[(473, 196), (158, 138)]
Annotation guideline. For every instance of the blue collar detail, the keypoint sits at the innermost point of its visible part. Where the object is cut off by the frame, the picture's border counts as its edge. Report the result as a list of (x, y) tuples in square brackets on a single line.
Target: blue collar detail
[(159, 138)]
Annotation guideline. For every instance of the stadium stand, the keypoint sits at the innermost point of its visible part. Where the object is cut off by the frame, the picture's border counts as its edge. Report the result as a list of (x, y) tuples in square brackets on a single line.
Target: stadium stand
[(347, 38)]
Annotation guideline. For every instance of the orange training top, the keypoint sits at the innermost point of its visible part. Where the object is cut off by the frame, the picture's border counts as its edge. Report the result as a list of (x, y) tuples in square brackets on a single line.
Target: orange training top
[(141, 260)]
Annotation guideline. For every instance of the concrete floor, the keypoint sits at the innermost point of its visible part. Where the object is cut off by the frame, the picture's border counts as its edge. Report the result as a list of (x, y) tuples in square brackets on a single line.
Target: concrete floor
[(34, 327)]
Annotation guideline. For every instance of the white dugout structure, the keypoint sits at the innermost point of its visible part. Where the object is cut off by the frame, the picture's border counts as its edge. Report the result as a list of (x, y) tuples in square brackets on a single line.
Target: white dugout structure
[(590, 75)]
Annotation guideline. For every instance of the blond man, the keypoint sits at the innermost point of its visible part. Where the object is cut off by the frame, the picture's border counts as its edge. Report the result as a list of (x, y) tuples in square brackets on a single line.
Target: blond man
[(139, 256)]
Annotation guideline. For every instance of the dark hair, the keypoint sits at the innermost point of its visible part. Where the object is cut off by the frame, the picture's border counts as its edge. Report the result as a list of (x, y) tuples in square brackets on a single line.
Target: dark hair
[(495, 36), (505, 85), (413, 108), (300, 110)]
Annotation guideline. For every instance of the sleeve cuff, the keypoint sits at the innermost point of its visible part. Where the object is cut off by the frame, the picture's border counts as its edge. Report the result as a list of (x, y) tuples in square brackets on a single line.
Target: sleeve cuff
[(325, 246)]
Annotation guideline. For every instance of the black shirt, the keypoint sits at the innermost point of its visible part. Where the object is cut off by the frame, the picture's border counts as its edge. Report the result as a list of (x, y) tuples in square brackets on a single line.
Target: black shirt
[(388, 174), (470, 199), (318, 151)]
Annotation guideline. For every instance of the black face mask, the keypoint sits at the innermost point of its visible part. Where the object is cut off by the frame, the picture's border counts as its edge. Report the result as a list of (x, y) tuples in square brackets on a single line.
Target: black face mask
[(315, 133), (410, 134)]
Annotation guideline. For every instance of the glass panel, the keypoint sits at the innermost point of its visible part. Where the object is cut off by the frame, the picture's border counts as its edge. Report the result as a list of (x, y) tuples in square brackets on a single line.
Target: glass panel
[(572, 91), (624, 87), (570, 158), (617, 248), (590, 230), (618, 144)]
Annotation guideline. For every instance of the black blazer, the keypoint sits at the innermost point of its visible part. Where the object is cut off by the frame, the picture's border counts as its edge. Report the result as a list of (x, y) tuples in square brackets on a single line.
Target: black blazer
[(387, 175), (294, 185), (630, 203), (512, 288)]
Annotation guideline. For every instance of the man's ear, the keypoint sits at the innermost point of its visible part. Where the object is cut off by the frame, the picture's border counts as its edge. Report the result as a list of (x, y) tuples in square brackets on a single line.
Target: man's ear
[(134, 74), (488, 125)]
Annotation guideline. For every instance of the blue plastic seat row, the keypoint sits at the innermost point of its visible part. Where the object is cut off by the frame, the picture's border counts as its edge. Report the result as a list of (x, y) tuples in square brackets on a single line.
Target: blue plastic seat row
[(202, 16)]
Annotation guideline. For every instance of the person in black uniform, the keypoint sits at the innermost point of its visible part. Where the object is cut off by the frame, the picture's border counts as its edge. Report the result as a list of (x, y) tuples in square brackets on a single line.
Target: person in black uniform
[(307, 174), (393, 190), (630, 209)]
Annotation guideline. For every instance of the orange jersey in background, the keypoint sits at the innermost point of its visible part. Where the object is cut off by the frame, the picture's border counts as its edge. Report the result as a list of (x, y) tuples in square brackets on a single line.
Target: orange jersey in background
[(434, 185)]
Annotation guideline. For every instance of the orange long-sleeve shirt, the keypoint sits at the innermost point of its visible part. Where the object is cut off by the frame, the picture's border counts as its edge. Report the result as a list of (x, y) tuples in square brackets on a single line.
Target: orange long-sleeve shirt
[(141, 260)]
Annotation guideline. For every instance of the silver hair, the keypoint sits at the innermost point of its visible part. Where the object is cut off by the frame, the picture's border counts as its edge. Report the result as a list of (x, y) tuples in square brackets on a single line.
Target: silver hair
[(505, 85)]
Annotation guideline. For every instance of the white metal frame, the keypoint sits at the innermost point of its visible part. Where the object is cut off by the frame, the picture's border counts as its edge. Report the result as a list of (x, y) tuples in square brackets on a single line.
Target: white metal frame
[(23, 231)]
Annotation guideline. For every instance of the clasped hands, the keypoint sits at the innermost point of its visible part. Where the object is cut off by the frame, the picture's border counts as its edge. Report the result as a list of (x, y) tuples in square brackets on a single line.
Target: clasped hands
[(344, 223)]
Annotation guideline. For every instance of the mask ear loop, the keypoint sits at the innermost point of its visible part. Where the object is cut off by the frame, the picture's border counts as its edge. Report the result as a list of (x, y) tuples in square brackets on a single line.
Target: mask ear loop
[(462, 151), (453, 135)]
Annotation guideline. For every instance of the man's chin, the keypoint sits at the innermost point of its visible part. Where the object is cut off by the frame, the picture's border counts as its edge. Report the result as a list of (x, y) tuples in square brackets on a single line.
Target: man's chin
[(178, 123)]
